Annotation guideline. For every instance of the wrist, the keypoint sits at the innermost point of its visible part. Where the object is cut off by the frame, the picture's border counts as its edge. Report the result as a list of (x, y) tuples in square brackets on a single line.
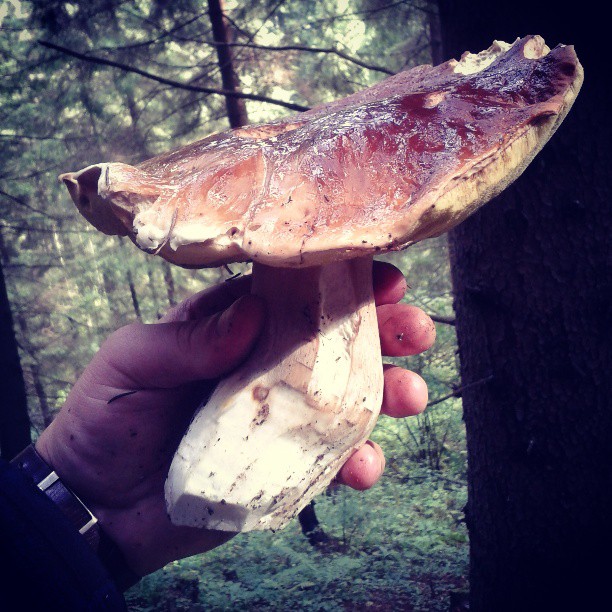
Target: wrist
[(42, 474)]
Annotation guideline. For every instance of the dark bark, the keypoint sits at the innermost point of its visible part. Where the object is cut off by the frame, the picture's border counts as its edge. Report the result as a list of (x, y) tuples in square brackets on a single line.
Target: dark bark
[(139, 142), (14, 420), (133, 295), (309, 49), (311, 528), (531, 278), (39, 387), (37, 383), (236, 108), (158, 303), (109, 290), (435, 34), (169, 281)]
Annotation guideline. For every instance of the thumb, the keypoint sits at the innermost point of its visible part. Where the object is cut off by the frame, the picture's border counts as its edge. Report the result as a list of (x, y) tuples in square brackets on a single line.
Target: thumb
[(165, 355)]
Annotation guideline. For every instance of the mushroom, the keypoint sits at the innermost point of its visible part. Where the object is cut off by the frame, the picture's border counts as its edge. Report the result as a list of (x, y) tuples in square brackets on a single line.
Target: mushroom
[(310, 199)]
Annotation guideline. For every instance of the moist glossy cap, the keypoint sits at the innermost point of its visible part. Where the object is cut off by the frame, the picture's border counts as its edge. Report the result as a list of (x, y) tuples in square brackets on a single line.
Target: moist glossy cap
[(401, 161)]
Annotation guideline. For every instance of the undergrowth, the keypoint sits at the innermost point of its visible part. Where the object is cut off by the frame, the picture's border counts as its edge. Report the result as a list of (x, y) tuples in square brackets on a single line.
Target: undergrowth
[(400, 546)]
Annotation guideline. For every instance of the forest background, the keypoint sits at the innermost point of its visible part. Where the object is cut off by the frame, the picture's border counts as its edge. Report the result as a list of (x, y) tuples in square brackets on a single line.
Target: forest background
[(84, 82)]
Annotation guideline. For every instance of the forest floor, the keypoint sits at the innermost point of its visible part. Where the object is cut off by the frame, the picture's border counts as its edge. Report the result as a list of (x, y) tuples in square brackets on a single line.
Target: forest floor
[(400, 546)]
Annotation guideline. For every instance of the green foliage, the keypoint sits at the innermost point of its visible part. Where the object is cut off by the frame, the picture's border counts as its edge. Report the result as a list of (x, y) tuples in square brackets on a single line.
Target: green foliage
[(402, 542)]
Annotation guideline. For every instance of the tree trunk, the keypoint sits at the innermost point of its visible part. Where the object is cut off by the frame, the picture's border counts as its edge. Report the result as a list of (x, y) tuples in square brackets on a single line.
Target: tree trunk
[(435, 34), (133, 294), (169, 282), (157, 302), (236, 108), (109, 290), (14, 420), (529, 275), (22, 322), (39, 387), (37, 383), (311, 528)]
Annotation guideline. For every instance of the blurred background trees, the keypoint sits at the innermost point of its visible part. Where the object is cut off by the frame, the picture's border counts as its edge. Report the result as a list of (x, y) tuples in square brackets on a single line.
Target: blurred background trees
[(84, 82), (122, 80)]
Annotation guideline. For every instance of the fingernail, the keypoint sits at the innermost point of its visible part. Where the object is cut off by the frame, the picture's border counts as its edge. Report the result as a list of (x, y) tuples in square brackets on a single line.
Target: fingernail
[(227, 319), (248, 307)]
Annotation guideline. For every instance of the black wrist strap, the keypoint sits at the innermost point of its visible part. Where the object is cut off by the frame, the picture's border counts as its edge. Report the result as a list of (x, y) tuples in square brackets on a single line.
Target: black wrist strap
[(47, 480)]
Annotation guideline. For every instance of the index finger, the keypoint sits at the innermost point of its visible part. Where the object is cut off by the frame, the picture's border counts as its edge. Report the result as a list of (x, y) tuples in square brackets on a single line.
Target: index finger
[(209, 301), (389, 283)]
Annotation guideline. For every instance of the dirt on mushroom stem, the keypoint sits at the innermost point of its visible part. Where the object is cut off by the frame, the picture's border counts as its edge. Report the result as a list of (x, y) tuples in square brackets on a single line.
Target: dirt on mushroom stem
[(298, 402)]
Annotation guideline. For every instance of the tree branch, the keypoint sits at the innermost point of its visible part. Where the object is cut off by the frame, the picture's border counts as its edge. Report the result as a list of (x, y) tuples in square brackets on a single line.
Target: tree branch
[(459, 390), (331, 50), (162, 35), (24, 137), (22, 202), (45, 230), (176, 84), (440, 319)]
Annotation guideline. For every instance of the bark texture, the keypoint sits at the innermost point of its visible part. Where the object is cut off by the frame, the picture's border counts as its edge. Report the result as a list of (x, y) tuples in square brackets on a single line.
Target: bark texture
[(14, 420), (236, 108), (531, 274)]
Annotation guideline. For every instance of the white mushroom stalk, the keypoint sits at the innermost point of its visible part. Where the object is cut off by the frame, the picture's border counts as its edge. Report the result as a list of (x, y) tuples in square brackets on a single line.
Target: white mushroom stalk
[(275, 433)]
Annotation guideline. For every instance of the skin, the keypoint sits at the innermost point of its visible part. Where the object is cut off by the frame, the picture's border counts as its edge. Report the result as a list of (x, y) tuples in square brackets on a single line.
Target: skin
[(114, 439)]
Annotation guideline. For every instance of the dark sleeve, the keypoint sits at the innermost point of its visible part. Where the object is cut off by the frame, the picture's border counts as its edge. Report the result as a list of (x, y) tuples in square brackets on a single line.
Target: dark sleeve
[(46, 564)]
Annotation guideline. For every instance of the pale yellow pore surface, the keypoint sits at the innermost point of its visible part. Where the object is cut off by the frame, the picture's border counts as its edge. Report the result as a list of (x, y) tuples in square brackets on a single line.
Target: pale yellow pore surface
[(487, 178)]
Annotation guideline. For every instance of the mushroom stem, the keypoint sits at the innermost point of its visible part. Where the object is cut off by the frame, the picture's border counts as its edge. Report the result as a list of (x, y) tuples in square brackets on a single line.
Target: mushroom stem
[(276, 432)]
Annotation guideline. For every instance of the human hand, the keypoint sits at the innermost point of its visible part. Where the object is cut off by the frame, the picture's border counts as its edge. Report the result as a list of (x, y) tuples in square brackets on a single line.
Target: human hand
[(114, 439)]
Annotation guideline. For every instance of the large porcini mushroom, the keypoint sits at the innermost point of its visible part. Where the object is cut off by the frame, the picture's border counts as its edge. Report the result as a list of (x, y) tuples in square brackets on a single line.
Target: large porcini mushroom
[(310, 199)]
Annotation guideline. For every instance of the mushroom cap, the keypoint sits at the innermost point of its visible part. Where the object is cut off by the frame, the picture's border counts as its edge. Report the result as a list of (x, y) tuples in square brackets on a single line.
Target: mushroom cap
[(404, 160)]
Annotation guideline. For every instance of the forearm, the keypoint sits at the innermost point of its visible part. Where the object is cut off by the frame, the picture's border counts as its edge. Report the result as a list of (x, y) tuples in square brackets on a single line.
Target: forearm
[(43, 486), (49, 565)]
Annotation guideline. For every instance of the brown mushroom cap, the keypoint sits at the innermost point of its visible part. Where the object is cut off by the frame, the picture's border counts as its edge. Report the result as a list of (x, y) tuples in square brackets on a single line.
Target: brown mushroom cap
[(401, 161)]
